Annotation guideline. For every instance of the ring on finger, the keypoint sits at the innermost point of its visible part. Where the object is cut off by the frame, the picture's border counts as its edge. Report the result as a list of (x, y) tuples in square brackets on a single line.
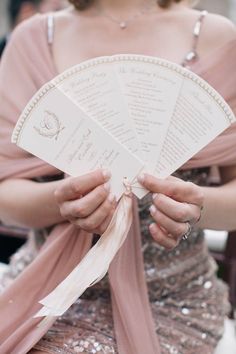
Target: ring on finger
[(200, 214), (188, 232)]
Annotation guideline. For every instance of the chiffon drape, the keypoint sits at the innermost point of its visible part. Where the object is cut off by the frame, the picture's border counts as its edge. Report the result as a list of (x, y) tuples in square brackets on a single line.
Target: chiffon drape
[(26, 65)]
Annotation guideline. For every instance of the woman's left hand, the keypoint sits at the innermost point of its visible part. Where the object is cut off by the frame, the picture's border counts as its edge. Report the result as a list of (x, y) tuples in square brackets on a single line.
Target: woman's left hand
[(176, 208)]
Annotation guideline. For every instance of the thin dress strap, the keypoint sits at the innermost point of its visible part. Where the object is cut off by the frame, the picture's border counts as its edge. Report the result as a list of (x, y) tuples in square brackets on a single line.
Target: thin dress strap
[(50, 29), (192, 55)]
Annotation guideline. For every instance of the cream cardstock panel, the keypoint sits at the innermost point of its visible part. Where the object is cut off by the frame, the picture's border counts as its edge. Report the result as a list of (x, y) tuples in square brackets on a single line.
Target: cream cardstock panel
[(96, 90), (127, 113), (199, 116), (151, 92), (58, 132)]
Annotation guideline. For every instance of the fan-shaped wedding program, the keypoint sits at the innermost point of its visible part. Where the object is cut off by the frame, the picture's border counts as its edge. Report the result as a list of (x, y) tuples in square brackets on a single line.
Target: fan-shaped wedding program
[(126, 113)]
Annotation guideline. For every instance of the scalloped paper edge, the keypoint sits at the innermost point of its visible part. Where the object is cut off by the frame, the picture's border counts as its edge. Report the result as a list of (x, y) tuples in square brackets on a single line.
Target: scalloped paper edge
[(55, 82)]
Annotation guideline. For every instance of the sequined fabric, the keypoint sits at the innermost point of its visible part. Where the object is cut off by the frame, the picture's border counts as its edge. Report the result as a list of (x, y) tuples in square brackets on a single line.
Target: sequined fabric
[(188, 302)]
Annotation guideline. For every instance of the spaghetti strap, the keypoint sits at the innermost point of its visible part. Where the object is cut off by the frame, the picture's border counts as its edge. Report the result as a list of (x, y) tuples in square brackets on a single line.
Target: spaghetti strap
[(192, 55), (50, 28)]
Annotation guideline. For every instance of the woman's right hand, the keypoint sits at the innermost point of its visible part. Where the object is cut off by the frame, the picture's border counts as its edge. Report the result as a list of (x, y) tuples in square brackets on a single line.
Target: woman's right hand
[(86, 201)]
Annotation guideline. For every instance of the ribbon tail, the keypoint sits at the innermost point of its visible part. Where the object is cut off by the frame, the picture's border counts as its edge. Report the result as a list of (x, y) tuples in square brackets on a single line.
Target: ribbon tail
[(93, 266)]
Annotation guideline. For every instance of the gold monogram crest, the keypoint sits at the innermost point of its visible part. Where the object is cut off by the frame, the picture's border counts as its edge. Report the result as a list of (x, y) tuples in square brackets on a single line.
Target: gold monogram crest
[(50, 126)]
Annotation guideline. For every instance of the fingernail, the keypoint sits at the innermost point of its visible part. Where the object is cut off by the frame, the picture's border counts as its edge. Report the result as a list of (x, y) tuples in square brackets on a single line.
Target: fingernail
[(141, 178), (106, 174), (153, 209), (111, 197), (154, 196), (152, 227), (107, 186)]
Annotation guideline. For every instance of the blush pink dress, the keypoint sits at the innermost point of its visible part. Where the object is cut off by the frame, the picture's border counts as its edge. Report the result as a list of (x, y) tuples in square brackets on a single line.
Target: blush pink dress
[(188, 303)]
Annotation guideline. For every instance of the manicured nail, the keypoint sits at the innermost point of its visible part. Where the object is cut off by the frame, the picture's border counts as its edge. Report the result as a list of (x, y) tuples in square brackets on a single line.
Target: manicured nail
[(141, 178), (152, 227), (107, 186), (153, 209), (111, 198), (154, 196), (106, 174)]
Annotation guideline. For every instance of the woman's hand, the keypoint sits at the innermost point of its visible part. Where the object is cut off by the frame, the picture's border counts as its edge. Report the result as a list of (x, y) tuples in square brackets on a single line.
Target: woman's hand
[(86, 201), (176, 207)]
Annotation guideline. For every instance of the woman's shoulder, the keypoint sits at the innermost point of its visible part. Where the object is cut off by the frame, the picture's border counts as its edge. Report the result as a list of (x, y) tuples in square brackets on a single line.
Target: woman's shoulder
[(35, 25), (31, 26), (217, 30), (29, 35), (28, 47)]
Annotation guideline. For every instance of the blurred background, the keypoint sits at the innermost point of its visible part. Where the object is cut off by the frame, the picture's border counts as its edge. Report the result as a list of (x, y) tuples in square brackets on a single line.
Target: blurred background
[(224, 7)]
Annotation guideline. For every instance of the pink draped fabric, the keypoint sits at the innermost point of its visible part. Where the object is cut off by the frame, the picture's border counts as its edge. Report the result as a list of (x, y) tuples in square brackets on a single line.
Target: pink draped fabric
[(25, 67), (218, 69)]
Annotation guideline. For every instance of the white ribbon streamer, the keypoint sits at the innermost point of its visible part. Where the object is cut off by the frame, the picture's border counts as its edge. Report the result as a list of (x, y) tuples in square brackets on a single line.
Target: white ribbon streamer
[(94, 265)]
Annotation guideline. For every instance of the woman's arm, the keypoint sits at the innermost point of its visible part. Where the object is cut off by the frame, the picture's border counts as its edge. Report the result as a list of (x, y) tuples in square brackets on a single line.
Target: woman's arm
[(219, 211), (85, 201), (29, 204)]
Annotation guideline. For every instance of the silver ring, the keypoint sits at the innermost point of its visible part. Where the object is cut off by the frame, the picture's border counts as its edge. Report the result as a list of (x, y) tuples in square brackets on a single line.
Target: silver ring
[(201, 209), (188, 232)]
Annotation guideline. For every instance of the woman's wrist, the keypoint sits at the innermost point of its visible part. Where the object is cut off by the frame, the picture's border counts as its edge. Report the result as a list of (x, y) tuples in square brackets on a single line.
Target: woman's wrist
[(29, 204), (219, 208)]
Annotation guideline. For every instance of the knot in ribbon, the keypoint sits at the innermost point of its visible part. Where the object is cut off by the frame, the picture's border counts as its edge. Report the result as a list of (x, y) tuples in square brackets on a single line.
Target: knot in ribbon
[(128, 187)]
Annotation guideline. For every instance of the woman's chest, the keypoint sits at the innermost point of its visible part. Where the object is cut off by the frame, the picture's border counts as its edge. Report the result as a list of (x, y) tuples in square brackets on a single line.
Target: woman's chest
[(75, 45)]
